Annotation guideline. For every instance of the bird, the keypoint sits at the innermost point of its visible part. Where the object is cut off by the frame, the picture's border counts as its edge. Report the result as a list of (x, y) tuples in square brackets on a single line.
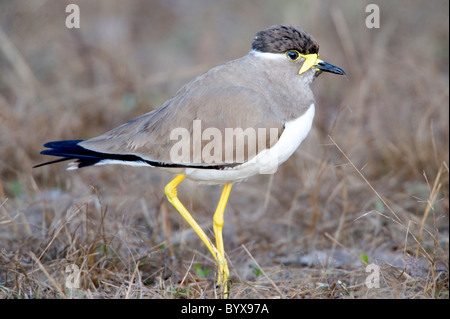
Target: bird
[(236, 120)]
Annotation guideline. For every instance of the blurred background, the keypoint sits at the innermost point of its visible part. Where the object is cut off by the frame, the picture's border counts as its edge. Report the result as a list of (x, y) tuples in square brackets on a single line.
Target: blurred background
[(368, 186)]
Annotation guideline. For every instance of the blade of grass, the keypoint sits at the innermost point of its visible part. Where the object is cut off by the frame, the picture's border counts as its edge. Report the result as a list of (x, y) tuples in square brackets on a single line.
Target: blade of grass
[(365, 180), (263, 272), (50, 278)]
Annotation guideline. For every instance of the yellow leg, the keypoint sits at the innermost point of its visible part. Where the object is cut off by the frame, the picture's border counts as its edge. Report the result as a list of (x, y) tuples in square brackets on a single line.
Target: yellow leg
[(171, 193), (218, 225), (219, 252)]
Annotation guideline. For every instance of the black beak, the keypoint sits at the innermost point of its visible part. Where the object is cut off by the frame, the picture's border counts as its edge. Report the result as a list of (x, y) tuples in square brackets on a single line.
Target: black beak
[(327, 67)]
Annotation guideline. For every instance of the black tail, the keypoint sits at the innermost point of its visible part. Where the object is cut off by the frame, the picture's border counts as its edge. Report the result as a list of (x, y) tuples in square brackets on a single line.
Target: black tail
[(70, 150)]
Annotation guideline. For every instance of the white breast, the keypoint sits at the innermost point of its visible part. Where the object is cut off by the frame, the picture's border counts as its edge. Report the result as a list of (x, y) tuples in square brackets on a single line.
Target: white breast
[(267, 161)]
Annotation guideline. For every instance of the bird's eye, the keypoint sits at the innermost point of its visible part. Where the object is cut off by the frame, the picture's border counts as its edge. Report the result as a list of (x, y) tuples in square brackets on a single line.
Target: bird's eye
[(292, 55)]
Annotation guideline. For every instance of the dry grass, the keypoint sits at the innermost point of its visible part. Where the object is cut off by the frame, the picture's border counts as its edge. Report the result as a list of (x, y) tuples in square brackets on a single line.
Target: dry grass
[(372, 177)]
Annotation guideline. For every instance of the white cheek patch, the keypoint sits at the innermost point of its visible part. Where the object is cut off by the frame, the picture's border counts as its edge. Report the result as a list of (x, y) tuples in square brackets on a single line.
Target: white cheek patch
[(269, 56)]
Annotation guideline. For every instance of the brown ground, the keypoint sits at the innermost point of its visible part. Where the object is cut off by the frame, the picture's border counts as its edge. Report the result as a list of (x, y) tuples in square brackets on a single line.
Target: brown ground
[(370, 180)]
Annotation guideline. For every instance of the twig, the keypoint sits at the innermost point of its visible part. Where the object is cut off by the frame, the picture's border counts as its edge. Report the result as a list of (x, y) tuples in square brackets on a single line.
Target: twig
[(185, 275), (132, 279), (265, 275), (50, 278), (365, 180), (434, 191)]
